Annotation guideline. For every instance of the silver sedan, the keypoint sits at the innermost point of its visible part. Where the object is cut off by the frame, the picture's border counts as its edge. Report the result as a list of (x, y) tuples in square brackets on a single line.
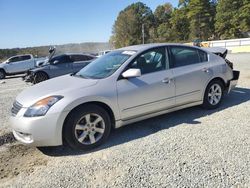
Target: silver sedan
[(124, 86)]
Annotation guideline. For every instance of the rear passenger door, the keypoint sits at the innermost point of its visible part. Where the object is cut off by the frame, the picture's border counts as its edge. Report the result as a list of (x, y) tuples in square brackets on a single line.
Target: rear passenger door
[(192, 71)]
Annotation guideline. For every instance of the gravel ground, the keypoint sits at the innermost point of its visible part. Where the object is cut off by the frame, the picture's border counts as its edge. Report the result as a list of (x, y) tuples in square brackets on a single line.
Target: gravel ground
[(188, 148)]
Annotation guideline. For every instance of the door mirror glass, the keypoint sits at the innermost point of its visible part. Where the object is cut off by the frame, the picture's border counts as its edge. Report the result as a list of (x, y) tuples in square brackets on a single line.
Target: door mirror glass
[(55, 62), (131, 73)]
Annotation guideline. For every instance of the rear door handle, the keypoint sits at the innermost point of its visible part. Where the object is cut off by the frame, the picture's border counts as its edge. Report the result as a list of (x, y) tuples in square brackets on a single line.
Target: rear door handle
[(167, 80), (206, 70)]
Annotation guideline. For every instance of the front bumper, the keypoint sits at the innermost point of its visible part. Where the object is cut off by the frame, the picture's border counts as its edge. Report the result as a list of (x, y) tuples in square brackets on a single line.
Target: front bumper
[(38, 131), (29, 77), (233, 82)]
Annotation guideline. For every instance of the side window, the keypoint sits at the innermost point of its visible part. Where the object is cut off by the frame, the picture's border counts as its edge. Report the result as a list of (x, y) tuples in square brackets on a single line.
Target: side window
[(14, 59), (182, 56), (25, 57), (151, 61), (62, 59), (203, 56), (76, 58), (88, 57)]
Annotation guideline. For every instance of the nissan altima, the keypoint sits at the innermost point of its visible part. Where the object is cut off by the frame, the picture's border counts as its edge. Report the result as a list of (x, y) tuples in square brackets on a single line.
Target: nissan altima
[(124, 86)]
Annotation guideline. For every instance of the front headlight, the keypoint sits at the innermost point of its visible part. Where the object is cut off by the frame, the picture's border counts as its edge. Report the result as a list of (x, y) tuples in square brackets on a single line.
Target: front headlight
[(41, 107)]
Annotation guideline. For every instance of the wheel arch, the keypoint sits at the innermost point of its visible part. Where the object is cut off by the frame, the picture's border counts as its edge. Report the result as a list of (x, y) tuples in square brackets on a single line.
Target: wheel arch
[(211, 80), (2, 69), (220, 79), (42, 71), (98, 103)]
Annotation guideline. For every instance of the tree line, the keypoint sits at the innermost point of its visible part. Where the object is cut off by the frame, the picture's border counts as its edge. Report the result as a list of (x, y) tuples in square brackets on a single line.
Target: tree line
[(42, 51), (192, 19)]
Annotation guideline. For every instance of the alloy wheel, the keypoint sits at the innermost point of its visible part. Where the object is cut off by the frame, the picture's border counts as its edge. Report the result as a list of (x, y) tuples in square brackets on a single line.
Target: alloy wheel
[(1, 75), (214, 94), (89, 129)]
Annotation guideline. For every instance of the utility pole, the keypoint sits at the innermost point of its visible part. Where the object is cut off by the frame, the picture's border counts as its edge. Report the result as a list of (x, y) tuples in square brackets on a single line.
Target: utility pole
[(143, 34)]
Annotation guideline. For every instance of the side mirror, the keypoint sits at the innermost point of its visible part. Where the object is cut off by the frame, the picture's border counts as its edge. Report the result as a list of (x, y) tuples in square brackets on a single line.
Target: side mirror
[(131, 73), (55, 62)]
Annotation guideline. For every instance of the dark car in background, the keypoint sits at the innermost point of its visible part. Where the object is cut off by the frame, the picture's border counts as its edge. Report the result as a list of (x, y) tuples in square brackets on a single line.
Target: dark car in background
[(57, 66)]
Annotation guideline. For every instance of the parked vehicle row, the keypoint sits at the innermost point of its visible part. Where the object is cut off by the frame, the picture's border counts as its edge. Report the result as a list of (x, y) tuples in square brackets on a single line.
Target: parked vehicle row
[(124, 86), (40, 69), (57, 66), (17, 65)]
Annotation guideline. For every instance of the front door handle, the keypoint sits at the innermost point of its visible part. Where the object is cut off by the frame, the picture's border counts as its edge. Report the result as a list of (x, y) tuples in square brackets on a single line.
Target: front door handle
[(206, 70), (166, 80)]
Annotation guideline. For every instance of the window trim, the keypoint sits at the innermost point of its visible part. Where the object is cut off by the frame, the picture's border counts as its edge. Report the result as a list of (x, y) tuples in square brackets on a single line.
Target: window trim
[(9, 60), (188, 47), (143, 52)]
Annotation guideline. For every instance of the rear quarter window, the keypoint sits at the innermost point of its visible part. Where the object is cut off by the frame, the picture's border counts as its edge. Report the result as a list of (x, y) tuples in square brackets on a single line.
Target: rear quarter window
[(203, 56), (76, 58)]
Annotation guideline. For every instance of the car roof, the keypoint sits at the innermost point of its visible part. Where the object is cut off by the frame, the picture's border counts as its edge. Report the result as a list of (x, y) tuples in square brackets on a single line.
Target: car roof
[(69, 53), (143, 47), (22, 55)]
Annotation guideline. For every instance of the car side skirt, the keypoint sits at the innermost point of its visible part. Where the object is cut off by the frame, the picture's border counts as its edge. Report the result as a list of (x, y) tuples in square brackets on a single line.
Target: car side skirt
[(120, 123)]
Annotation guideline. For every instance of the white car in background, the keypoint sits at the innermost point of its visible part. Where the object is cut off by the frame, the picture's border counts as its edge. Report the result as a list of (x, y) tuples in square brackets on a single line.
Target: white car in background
[(17, 65), (101, 53), (125, 86)]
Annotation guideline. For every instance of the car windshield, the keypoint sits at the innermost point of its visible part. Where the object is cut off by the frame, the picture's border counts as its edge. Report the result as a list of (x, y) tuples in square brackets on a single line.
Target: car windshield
[(105, 65)]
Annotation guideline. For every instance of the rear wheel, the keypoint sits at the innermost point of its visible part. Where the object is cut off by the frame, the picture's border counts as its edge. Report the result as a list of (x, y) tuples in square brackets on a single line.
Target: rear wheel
[(40, 77), (2, 74), (213, 95), (87, 127)]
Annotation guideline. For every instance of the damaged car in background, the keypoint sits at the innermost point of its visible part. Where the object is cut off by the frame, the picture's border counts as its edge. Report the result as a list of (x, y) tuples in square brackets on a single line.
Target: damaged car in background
[(122, 87), (58, 65)]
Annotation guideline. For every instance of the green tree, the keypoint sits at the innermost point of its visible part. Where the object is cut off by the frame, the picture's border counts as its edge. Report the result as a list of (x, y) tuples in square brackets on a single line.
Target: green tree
[(127, 29), (161, 31), (183, 3), (244, 16), (180, 25), (163, 13), (232, 18), (200, 14)]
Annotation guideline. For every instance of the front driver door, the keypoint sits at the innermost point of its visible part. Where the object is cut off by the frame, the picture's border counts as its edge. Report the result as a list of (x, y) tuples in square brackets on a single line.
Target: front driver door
[(153, 91)]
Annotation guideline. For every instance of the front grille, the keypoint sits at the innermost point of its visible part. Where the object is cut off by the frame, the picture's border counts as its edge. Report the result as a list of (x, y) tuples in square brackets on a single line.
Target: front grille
[(16, 108)]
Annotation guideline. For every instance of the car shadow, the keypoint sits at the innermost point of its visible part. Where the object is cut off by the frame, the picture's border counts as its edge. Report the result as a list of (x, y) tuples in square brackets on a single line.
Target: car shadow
[(153, 125)]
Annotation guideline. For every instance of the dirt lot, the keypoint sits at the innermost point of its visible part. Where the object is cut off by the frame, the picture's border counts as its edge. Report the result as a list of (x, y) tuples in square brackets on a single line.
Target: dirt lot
[(191, 148)]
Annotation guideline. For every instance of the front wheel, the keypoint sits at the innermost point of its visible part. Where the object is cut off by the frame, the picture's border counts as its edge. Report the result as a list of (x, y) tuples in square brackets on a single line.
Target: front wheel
[(2, 74), (213, 95), (40, 77), (87, 127)]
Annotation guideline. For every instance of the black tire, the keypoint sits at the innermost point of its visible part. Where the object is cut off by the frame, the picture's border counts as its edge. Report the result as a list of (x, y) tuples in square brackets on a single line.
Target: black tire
[(69, 128), (207, 104), (2, 74), (40, 77)]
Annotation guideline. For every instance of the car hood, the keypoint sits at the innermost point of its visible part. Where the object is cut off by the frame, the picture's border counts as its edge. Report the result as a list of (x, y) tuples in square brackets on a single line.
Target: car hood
[(41, 67), (57, 86)]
